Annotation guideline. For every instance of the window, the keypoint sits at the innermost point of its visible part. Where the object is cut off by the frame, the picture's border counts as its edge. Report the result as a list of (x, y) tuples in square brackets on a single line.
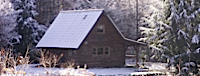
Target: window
[(94, 52), (101, 51), (100, 29), (106, 51)]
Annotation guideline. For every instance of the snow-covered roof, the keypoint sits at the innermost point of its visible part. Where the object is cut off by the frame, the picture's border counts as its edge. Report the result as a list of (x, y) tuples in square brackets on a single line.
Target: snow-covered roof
[(70, 28)]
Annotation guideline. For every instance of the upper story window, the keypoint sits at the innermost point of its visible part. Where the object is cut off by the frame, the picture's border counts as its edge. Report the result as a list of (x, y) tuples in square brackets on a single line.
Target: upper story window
[(100, 29)]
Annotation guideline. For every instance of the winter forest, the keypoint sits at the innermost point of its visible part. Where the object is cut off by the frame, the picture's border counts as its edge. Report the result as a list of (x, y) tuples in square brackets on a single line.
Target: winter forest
[(170, 28)]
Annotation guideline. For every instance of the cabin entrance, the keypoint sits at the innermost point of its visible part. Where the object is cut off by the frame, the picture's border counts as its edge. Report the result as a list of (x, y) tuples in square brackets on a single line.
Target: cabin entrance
[(135, 55)]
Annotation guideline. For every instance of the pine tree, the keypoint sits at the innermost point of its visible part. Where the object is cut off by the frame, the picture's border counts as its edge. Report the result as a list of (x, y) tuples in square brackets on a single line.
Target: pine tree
[(180, 39), (155, 29), (27, 26), (8, 36), (185, 16)]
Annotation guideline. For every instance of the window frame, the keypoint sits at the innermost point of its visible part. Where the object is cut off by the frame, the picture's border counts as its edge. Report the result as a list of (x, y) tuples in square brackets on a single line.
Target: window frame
[(103, 29), (100, 51), (95, 51), (107, 51)]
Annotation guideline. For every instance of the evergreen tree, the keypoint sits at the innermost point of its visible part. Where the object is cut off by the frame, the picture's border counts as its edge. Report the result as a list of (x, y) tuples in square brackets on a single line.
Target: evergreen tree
[(8, 36), (185, 17), (179, 39), (155, 29), (27, 26)]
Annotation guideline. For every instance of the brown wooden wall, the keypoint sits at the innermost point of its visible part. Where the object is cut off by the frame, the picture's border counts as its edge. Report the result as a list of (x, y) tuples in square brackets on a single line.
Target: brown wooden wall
[(111, 38)]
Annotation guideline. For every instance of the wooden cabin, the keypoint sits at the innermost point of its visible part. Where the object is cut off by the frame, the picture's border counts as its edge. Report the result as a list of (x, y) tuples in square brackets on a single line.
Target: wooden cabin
[(87, 36)]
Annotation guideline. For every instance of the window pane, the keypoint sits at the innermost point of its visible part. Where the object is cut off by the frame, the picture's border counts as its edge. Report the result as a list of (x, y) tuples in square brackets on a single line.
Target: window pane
[(100, 28), (94, 51), (100, 51), (106, 51)]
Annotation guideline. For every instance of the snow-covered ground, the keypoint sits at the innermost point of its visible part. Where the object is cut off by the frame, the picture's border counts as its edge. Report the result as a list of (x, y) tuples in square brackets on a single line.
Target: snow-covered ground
[(97, 71), (149, 65), (31, 70), (114, 71), (38, 71)]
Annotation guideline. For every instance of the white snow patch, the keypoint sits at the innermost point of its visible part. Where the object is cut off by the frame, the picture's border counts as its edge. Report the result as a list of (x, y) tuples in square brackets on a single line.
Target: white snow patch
[(197, 50), (199, 27), (195, 39), (113, 71), (189, 63), (31, 70), (185, 68), (182, 33)]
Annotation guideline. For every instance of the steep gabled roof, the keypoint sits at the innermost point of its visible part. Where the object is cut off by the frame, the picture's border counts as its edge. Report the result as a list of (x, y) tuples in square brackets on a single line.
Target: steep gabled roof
[(70, 28)]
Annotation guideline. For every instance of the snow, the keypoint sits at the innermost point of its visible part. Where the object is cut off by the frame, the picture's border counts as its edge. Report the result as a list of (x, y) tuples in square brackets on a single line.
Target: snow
[(182, 33), (7, 22), (127, 71), (162, 40), (63, 71), (191, 63), (195, 39), (197, 50), (185, 68), (198, 28), (80, 22), (35, 29), (31, 70), (113, 71)]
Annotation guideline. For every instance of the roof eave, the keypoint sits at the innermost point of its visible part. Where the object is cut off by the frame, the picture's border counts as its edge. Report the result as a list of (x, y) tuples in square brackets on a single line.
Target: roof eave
[(134, 42), (126, 39)]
